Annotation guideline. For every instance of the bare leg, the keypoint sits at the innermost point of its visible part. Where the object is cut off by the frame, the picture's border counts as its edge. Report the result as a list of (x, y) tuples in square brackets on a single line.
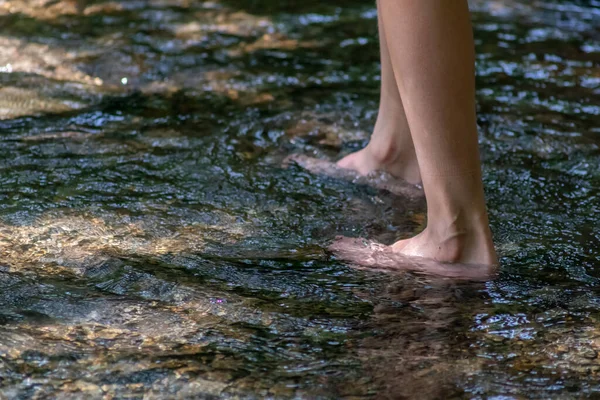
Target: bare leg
[(432, 54), (391, 147)]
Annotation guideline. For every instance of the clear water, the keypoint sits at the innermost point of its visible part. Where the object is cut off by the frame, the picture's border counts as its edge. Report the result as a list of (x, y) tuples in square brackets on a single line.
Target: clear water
[(151, 244)]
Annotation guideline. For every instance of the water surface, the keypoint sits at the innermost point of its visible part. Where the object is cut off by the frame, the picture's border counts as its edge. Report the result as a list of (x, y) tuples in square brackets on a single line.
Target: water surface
[(152, 244)]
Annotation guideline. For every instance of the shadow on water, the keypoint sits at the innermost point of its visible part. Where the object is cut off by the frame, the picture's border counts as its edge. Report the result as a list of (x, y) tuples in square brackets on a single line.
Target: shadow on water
[(152, 245)]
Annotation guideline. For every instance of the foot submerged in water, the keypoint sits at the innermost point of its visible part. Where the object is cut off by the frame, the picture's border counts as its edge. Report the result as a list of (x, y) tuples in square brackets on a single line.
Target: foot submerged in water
[(457, 242), (377, 179), (373, 256), (377, 158), (449, 244), (467, 246)]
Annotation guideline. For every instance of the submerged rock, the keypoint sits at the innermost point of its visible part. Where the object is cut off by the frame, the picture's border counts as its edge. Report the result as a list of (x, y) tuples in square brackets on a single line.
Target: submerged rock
[(17, 102)]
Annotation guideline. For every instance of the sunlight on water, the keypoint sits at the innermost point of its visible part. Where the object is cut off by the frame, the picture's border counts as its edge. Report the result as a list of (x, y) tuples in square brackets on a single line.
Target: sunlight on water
[(153, 244)]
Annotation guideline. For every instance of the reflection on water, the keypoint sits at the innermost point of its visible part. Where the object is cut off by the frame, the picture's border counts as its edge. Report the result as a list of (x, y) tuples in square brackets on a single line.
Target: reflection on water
[(152, 244)]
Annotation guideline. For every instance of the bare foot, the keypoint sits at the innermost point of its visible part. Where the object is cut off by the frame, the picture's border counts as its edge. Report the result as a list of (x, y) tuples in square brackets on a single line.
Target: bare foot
[(447, 239), (373, 256), (379, 180), (383, 153), (466, 246)]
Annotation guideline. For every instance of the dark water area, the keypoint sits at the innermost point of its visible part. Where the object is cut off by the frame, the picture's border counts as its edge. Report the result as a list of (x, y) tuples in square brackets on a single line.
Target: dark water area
[(152, 244)]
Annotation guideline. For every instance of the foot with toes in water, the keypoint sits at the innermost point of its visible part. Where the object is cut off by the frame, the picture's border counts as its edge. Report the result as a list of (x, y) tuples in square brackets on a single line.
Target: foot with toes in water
[(425, 135)]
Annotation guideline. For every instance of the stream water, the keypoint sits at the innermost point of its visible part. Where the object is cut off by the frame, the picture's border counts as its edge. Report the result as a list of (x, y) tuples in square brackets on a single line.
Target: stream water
[(152, 245)]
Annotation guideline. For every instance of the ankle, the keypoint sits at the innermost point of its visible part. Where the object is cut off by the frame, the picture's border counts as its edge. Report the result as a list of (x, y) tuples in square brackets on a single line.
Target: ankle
[(456, 237), (458, 223), (383, 150), (390, 149), (390, 141)]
